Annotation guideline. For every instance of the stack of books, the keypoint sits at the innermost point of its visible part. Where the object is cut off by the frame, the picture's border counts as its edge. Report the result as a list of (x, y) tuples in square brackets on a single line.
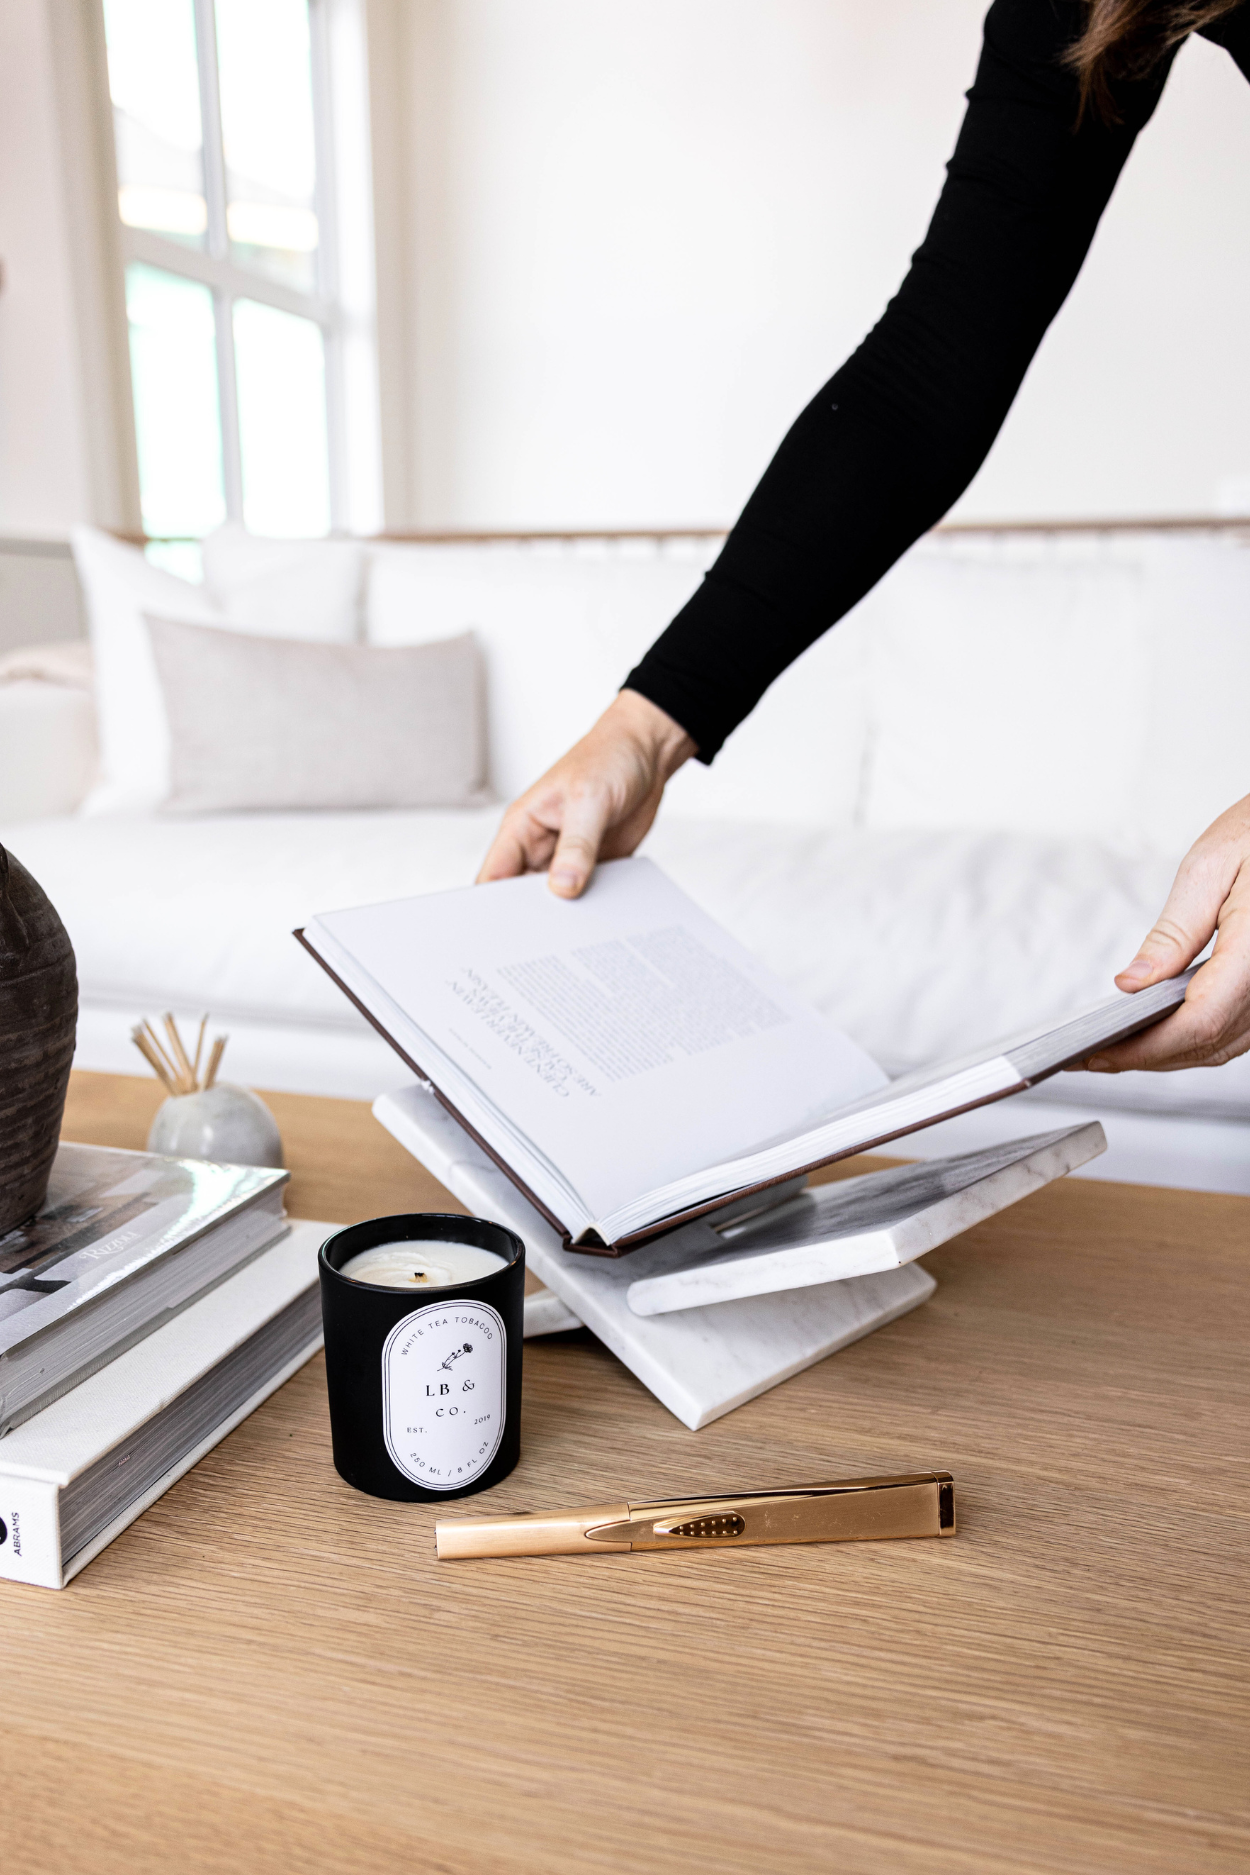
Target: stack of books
[(150, 1306)]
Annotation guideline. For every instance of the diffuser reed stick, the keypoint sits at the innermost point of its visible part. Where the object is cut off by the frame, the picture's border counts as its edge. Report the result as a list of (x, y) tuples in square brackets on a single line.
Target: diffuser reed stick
[(171, 1063), (214, 1060), (158, 1048)]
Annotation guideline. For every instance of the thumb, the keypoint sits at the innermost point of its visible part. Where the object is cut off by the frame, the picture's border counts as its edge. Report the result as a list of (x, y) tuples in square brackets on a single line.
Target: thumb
[(581, 835), (1184, 926)]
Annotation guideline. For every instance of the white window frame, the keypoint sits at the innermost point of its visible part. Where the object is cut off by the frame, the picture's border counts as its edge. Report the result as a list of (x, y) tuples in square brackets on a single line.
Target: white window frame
[(346, 320)]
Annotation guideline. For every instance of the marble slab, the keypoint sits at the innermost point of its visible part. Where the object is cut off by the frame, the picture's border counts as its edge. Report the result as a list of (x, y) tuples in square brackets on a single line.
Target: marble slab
[(853, 1228), (699, 1362), (545, 1314)]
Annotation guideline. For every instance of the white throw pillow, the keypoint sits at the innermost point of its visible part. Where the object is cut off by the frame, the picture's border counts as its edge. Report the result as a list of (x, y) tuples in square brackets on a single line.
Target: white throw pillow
[(119, 586), (307, 589), (267, 723)]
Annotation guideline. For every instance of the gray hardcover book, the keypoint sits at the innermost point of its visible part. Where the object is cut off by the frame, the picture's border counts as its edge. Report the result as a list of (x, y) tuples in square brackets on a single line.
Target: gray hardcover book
[(123, 1242)]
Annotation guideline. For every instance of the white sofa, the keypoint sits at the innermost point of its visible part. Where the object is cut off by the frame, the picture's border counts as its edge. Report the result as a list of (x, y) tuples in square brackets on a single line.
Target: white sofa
[(954, 816)]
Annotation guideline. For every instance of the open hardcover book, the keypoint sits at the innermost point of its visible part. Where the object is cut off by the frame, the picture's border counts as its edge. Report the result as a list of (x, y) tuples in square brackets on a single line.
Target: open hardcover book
[(629, 1065)]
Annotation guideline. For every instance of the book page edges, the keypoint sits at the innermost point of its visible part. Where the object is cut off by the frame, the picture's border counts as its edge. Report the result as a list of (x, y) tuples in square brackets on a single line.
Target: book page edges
[(91, 1550), (631, 1240)]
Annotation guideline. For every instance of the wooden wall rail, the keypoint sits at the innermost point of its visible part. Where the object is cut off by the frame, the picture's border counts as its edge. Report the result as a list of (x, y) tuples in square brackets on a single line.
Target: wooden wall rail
[(468, 537)]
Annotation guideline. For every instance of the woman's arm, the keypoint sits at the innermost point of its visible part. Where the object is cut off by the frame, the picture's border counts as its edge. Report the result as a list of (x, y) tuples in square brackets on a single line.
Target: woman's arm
[(893, 439), (879, 454)]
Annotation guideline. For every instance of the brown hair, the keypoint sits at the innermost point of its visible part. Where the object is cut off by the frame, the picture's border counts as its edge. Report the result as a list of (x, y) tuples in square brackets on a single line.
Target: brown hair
[(1127, 38)]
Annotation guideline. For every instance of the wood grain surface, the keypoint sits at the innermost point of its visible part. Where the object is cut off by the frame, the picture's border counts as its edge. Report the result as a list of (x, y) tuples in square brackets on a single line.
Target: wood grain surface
[(269, 1672)]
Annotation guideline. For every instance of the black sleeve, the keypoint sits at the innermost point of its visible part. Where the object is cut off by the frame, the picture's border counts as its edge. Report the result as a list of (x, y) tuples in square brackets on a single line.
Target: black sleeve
[(1233, 33), (893, 439)]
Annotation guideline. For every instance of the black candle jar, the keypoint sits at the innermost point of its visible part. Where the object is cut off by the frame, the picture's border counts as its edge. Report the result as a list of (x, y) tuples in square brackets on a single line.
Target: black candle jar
[(424, 1384)]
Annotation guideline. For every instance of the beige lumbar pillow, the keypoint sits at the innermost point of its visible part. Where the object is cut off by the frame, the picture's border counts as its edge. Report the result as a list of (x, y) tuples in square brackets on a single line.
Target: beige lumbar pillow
[(275, 723)]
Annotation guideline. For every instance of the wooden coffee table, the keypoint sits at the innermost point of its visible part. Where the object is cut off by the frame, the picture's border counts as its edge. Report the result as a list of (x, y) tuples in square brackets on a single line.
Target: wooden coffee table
[(269, 1672)]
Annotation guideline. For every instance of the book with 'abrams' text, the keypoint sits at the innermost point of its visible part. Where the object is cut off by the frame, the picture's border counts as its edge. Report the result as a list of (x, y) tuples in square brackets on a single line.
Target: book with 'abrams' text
[(122, 1241), (629, 1065)]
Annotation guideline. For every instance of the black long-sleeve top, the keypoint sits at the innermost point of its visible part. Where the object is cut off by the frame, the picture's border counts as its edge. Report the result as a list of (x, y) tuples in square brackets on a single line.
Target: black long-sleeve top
[(894, 438)]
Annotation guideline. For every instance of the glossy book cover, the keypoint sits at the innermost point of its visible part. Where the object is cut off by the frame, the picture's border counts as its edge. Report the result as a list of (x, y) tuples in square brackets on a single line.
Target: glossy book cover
[(109, 1216)]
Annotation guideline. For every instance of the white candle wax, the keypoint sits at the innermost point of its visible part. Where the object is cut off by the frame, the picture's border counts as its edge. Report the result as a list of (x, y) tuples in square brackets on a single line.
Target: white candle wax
[(424, 1263)]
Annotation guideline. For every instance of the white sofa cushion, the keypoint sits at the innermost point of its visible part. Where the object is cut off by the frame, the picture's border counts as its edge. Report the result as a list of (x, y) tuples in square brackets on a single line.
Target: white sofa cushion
[(921, 945), (198, 913), (561, 626), (1008, 690), (924, 945), (1080, 687), (308, 589), (47, 748), (1197, 732)]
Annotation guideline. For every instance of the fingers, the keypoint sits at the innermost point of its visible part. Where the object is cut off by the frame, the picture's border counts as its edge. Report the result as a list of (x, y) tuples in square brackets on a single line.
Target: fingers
[(587, 812), (598, 800), (1203, 882), (1212, 1025), (525, 839), (1184, 925), (523, 843), (506, 858), (1171, 1045)]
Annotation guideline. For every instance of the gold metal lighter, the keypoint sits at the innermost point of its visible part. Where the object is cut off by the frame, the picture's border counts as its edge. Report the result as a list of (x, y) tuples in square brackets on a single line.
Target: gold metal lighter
[(851, 1510)]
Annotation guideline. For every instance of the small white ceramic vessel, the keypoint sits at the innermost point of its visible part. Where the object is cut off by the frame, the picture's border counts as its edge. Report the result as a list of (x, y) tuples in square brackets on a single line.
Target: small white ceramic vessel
[(224, 1123)]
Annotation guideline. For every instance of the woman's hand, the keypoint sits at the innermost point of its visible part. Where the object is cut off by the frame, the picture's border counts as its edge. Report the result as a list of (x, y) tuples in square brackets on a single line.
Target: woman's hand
[(596, 803), (1211, 893)]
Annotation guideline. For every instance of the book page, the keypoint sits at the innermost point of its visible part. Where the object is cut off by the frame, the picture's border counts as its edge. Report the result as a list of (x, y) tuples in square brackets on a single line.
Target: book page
[(626, 1035)]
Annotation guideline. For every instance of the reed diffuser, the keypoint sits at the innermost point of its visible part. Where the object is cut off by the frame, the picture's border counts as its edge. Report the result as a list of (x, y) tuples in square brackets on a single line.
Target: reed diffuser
[(204, 1118)]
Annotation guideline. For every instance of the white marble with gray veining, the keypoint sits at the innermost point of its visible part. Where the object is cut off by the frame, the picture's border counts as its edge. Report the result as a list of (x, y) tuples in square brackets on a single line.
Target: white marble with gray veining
[(700, 1362), (854, 1228), (545, 1314)]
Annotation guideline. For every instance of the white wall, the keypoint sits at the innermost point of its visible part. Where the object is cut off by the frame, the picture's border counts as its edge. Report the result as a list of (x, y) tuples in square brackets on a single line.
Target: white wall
[(621, 246), (641, 236), (45, 473)]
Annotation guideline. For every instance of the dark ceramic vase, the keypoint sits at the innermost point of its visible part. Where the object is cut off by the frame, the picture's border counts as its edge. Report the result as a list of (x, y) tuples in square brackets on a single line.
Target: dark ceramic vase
[(38, 1017)]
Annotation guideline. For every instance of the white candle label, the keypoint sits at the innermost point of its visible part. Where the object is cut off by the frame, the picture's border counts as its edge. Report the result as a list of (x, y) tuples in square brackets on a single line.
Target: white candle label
[(443, 1392)]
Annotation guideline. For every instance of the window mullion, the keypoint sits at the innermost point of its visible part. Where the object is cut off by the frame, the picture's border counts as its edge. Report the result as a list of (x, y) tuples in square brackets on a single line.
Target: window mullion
[(326, 168), (210, 111), (232, 458), (219, 249)]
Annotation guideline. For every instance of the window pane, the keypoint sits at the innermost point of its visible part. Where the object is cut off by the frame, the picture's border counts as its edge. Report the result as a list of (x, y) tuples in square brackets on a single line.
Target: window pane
[(281, 373), (155, 85), (265, 71), (184, 558), (173, 366)]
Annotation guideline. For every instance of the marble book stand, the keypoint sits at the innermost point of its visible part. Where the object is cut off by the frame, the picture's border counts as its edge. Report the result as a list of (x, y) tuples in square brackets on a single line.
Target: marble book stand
[(853, 1228), (699, 1361)]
